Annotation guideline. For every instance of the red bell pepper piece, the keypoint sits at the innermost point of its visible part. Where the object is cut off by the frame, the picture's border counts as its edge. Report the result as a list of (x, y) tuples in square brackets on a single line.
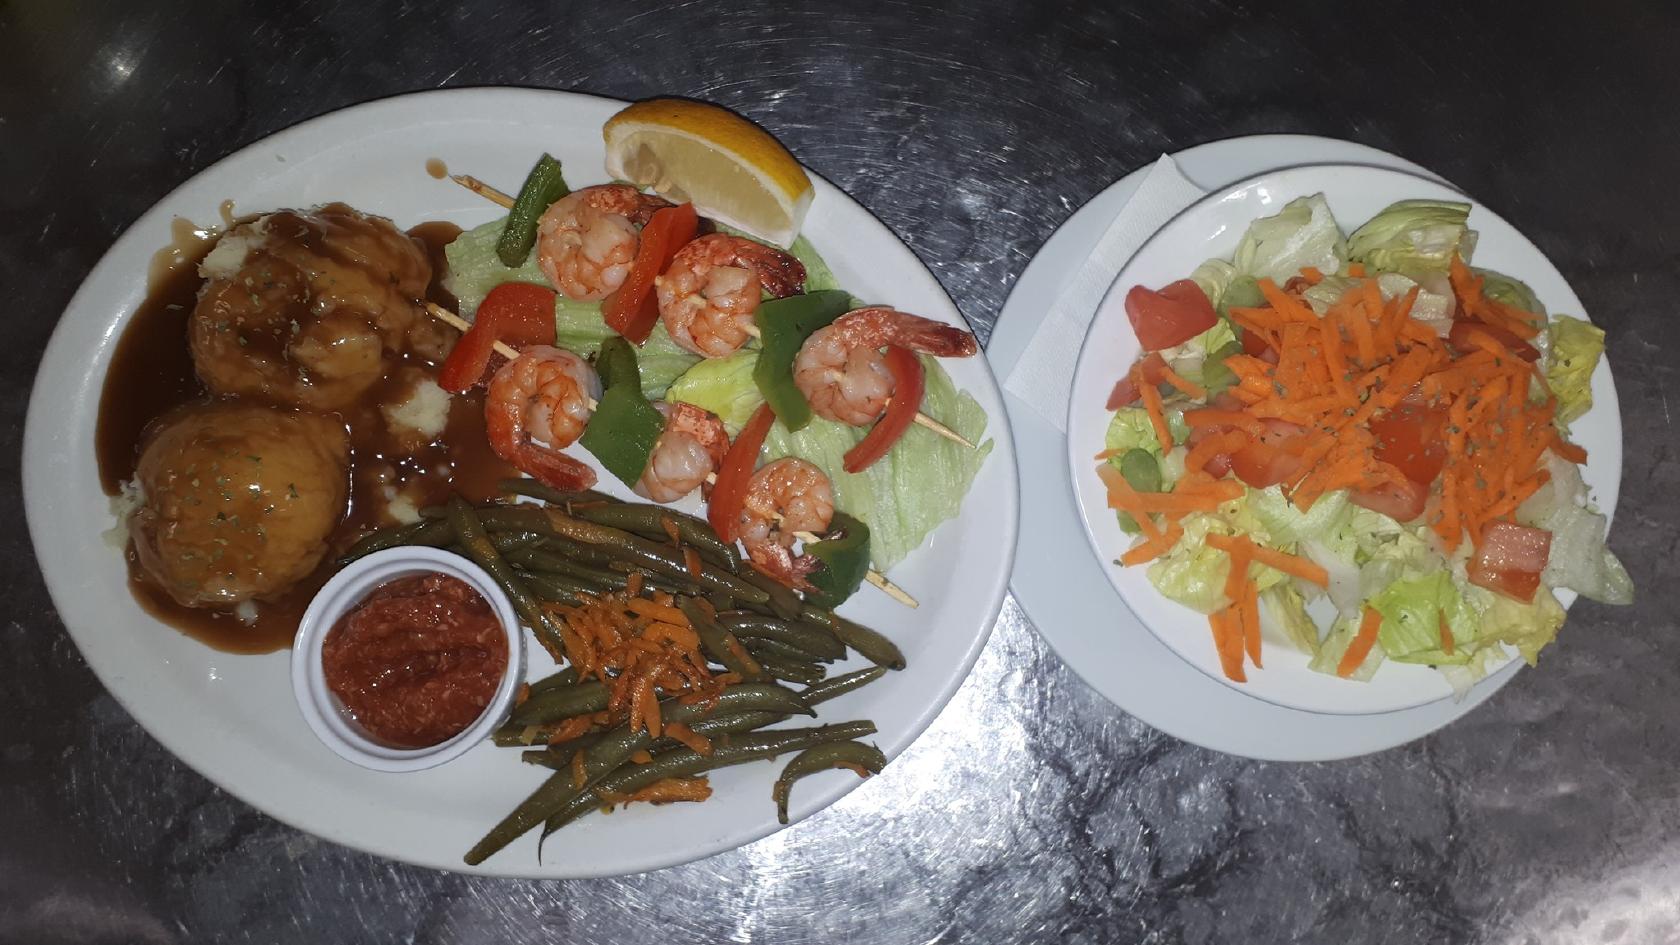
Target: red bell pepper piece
[(729, 493), (516, 313), (906, 402), (633, 310)]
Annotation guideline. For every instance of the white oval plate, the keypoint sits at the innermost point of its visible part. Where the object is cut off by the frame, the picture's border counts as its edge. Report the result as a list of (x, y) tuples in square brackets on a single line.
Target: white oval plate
[(232, 717), (1212, 228)]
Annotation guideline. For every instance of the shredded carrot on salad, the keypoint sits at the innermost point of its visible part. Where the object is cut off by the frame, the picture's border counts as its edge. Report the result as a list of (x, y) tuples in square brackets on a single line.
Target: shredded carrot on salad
[(1335, 376)]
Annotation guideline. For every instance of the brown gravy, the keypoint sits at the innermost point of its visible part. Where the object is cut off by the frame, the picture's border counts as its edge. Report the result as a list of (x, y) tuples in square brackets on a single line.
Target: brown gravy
[(152, 372)]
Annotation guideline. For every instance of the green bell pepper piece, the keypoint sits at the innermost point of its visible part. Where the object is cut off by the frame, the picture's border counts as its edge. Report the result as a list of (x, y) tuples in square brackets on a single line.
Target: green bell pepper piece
[(845, 558), (542, 187), (625, 427), (783, 326)]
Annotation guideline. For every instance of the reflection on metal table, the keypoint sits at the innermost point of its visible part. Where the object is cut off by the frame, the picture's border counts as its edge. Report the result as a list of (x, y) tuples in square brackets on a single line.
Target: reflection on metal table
[(1032, 810)]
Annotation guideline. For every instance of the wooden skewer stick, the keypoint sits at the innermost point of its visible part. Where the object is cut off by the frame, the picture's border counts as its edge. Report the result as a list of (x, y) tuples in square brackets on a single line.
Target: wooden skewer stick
[(503, 200), (876, 578), (483, 190)]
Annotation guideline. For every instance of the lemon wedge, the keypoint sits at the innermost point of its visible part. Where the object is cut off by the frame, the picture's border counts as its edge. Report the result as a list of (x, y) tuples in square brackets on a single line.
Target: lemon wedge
[(732, 170)]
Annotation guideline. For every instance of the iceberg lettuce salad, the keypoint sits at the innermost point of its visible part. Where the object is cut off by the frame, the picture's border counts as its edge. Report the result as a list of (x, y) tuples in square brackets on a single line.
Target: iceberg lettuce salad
[(920, 483), (1358, 443)]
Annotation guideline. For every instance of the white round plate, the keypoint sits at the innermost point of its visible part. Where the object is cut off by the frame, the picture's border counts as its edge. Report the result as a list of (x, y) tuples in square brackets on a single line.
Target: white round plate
[(1211, 228), (1064, 590), (233, 718)]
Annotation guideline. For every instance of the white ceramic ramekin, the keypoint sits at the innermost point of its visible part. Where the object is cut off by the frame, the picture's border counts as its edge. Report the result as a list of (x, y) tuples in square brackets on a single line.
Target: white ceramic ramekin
[(329, 719)]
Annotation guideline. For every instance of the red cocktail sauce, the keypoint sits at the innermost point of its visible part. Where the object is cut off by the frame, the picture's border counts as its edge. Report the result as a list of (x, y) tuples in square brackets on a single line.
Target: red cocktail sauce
[(418, 660)]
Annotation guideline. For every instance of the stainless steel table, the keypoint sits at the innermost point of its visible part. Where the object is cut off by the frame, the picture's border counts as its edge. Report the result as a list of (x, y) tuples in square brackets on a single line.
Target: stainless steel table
[(1032, 810)]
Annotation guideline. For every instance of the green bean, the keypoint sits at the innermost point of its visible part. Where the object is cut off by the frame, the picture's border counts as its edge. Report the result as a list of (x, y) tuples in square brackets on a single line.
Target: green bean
[(716, 640), (578, 551), (653, 555), (875, 648), (791, 671), (469, 530), (566, 702), (559, 757), (533, 559), (821, 758), (655, 580), (532, 489), (780, 601), (765, 648), (431, 534), (810, 637), (564, 677), (571, 745), (514, 541), (685, 762), (612, 751), (557, 588), (649, 522), (836, 686)]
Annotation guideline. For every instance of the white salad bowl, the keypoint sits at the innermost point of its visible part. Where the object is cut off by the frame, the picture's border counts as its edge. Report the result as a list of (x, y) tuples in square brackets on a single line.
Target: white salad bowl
[(1212, 228)]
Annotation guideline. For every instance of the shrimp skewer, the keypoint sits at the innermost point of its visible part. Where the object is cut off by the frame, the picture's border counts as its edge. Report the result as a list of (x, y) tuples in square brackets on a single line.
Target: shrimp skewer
[(503, 200), (709, 292), (875, 577), (687, 453), (537, 404)]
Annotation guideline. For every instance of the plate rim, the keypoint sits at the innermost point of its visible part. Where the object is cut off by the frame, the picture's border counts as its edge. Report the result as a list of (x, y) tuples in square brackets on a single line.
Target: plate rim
[(38, 443)]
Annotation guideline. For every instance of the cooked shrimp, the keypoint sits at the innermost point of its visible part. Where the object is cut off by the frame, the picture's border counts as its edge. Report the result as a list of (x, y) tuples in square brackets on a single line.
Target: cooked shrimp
[(588, 239), (708, 294), (784, 498), (689, 450), (537, 404), (842, 372)]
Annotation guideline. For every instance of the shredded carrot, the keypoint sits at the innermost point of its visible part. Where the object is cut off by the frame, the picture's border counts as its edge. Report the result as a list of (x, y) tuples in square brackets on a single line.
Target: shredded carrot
[(1227, 642), (648, 608), (1229, 441), (633, 586), (1312, 275), (1122, 496), (1152, 548), (1569, 451), (580, 775), (1214, 417), (1356, 270), (1446, 635), (1362, 643), (666, 791), (691, 561), (1292, 565), (524, 693), (1107, 454), (641, 756), (1250, 607), (1237, 576), (1157, 418)]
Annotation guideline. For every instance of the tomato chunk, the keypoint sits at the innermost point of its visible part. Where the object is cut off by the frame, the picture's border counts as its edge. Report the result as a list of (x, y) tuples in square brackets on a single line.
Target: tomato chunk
[(1411, 437), (1510, 559), (1401, 502), (1171, 316)]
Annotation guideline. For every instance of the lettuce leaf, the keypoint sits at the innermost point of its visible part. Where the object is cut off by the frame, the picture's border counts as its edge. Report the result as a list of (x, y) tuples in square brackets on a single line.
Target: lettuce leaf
[(1213, 277), (1528, 627), (1502, 288), (1576, 347), (920, 483), (1580, 558), (1336, 645), (1414, 236), (1412, 608), (1302, 234), (1288, 612)]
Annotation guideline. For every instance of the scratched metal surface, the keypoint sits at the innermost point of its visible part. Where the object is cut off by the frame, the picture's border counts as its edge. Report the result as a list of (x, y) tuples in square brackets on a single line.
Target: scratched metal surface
[(1548, 815)]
